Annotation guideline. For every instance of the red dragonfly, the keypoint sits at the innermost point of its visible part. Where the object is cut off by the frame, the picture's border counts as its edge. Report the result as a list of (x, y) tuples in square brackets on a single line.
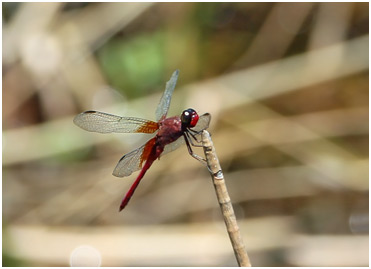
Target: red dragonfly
[(171, 134)]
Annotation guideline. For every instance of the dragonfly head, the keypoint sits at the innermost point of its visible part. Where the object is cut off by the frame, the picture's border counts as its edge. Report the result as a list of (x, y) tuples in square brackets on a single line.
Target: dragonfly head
[(189, 118)]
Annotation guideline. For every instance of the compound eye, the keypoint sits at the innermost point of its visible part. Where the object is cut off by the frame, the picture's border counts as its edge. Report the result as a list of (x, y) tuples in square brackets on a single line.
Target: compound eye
[(189, 118)]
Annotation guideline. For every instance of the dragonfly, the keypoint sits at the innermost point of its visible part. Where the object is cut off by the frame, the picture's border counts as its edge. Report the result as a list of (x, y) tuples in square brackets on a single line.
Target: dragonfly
[(172, 133)]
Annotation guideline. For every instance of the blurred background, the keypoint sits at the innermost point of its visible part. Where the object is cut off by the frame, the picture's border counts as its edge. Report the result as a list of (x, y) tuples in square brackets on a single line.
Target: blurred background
[(287, 87)]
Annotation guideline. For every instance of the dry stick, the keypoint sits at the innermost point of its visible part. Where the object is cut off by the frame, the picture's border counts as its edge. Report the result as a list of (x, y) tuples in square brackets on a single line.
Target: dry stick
[(224, 201)]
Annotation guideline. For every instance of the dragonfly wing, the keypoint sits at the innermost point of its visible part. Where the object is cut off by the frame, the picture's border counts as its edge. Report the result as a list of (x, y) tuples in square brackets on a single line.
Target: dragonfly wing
[(94, 121), (133, 161), (203, 123), (173, 146), (164, 104), (129, 163)]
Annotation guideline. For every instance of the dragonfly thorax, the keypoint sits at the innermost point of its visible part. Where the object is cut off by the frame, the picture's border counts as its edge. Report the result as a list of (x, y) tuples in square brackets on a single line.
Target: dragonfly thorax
[(170, 129)]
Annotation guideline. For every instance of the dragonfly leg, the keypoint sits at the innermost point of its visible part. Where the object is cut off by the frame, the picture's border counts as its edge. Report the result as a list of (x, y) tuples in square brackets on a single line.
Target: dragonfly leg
[(202, 160), (190, 136)]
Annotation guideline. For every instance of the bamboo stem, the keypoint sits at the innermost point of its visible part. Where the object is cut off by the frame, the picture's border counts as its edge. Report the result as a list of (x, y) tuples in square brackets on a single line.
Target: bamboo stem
[(224, 201)]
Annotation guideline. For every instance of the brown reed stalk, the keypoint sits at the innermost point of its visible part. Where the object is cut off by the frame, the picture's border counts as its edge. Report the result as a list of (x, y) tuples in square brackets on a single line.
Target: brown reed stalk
[(224, 201)]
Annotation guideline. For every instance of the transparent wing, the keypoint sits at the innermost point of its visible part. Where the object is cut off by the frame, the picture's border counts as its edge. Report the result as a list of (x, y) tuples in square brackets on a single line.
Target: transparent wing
[(129, 163), (133, 161), (173, 146), (164, 103), (94, 121), (202, 124)]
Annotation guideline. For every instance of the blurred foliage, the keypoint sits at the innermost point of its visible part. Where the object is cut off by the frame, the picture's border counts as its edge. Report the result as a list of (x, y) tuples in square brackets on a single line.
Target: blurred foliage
[(199, 42), (127, 63)]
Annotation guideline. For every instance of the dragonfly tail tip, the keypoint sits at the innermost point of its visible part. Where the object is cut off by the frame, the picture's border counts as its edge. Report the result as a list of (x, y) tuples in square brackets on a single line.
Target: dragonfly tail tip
[(121, 208)]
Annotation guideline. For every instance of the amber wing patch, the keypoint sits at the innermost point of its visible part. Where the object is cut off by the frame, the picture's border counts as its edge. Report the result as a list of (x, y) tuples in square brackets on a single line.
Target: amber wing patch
[(148, 127)]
